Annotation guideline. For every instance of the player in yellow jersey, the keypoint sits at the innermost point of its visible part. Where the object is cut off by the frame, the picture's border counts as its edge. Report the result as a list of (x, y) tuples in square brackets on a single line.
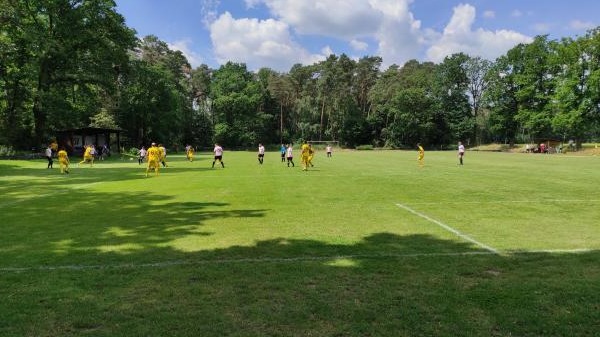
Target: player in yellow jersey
[(190, 153), (311, 155), (153, 159), (421, 155), (304, 154), (88, 157), (63, 160), (163, 155)]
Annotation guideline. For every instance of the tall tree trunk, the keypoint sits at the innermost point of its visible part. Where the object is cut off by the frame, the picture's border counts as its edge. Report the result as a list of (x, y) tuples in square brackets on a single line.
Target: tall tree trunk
[(322, 115), (280, 123), (39, 115)]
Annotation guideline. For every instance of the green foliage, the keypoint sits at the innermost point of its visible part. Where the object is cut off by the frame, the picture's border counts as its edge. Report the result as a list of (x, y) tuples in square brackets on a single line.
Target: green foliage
[(103, 120), (133, 151), (6, 151), (368, 147), (64, 63)]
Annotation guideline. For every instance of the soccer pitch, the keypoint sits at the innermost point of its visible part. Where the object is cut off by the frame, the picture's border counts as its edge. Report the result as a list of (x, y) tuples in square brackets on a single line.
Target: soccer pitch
[(366, 243)]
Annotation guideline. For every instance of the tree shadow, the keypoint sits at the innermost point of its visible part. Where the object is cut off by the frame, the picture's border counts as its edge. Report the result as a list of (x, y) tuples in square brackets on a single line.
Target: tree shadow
[(87, 275), (384, 285)]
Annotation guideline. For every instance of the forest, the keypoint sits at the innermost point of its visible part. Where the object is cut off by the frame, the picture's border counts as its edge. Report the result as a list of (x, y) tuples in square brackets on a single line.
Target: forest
[(74, 63)]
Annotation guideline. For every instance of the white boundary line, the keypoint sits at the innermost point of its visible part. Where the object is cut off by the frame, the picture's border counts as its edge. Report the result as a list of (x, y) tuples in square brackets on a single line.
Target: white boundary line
[(506, 201), (448, 228), (172, 263)]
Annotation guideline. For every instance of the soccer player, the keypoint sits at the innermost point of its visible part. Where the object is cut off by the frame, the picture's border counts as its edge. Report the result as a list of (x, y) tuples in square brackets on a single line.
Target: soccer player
[(163, 155), (189, 153), (218, 150), (304, 154), (283, 151), (104, 152), (63, 160), (142, 155), (311, 155), (290, 155), (461, 152), (261, 153), (48, 154), (154, 155), (54, 146), (328, 149), (88, 156), (421, 156)]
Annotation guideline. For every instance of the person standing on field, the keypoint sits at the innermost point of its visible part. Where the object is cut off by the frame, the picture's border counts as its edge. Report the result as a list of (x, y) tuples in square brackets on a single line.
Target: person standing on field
[(261, 153), (163, 155), (328, 150), (142, 155), (63, 160), (461, 152), (421, 155), (218, 150), (304, 155), (190, 154), (290, 155), (283, 151), (154, 155), (311, 155), (48, 154)]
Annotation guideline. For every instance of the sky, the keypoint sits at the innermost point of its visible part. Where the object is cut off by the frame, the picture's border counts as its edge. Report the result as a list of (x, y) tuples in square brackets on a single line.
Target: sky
[(280, 33)]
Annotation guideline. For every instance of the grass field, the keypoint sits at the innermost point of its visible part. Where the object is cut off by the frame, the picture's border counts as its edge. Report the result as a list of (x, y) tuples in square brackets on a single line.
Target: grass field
[(365, 244)]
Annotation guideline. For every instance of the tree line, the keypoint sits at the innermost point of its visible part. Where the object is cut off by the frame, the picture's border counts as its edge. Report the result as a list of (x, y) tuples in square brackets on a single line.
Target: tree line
[(74, 63)]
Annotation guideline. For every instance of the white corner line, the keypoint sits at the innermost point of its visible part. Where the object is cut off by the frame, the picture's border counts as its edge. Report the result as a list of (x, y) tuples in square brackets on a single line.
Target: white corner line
[(448, 228)]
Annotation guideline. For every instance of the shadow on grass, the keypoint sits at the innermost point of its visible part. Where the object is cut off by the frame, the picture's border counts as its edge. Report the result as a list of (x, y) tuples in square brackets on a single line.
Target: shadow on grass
[(109, 268), (384, 285)]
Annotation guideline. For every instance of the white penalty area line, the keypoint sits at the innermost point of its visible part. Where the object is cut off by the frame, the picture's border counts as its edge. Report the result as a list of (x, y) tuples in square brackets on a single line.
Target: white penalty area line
[(499, 202), (450, 229)]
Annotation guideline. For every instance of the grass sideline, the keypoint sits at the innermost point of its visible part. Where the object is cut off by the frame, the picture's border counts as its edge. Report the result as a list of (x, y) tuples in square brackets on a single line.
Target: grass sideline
[(268, 250)]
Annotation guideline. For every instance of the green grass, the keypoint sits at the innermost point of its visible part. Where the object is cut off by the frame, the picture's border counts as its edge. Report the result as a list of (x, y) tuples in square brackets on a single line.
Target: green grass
[(361, 245)]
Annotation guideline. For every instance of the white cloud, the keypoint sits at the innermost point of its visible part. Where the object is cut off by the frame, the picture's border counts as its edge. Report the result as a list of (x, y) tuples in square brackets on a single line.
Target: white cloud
[(542, 27), (358, 45), (581, 25), (208, 11), (398, 35), (258, 43), (459, 36), (337, 18), (489, 14), (389, 22), (252, 3), (183, 46)]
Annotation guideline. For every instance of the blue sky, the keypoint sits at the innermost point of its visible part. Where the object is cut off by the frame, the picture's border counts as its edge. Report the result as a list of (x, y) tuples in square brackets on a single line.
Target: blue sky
[(280, 33)]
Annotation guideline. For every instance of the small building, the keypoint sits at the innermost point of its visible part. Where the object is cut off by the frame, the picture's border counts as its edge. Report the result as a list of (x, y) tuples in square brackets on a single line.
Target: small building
[(73, 140)]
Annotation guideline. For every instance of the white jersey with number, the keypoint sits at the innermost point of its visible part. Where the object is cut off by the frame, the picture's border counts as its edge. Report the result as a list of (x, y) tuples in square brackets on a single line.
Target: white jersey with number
[(218, 151)]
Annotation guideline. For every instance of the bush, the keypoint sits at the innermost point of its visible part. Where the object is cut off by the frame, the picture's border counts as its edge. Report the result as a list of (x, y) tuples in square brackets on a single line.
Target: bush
[(364, 147), (6, 151), (133, 151)]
